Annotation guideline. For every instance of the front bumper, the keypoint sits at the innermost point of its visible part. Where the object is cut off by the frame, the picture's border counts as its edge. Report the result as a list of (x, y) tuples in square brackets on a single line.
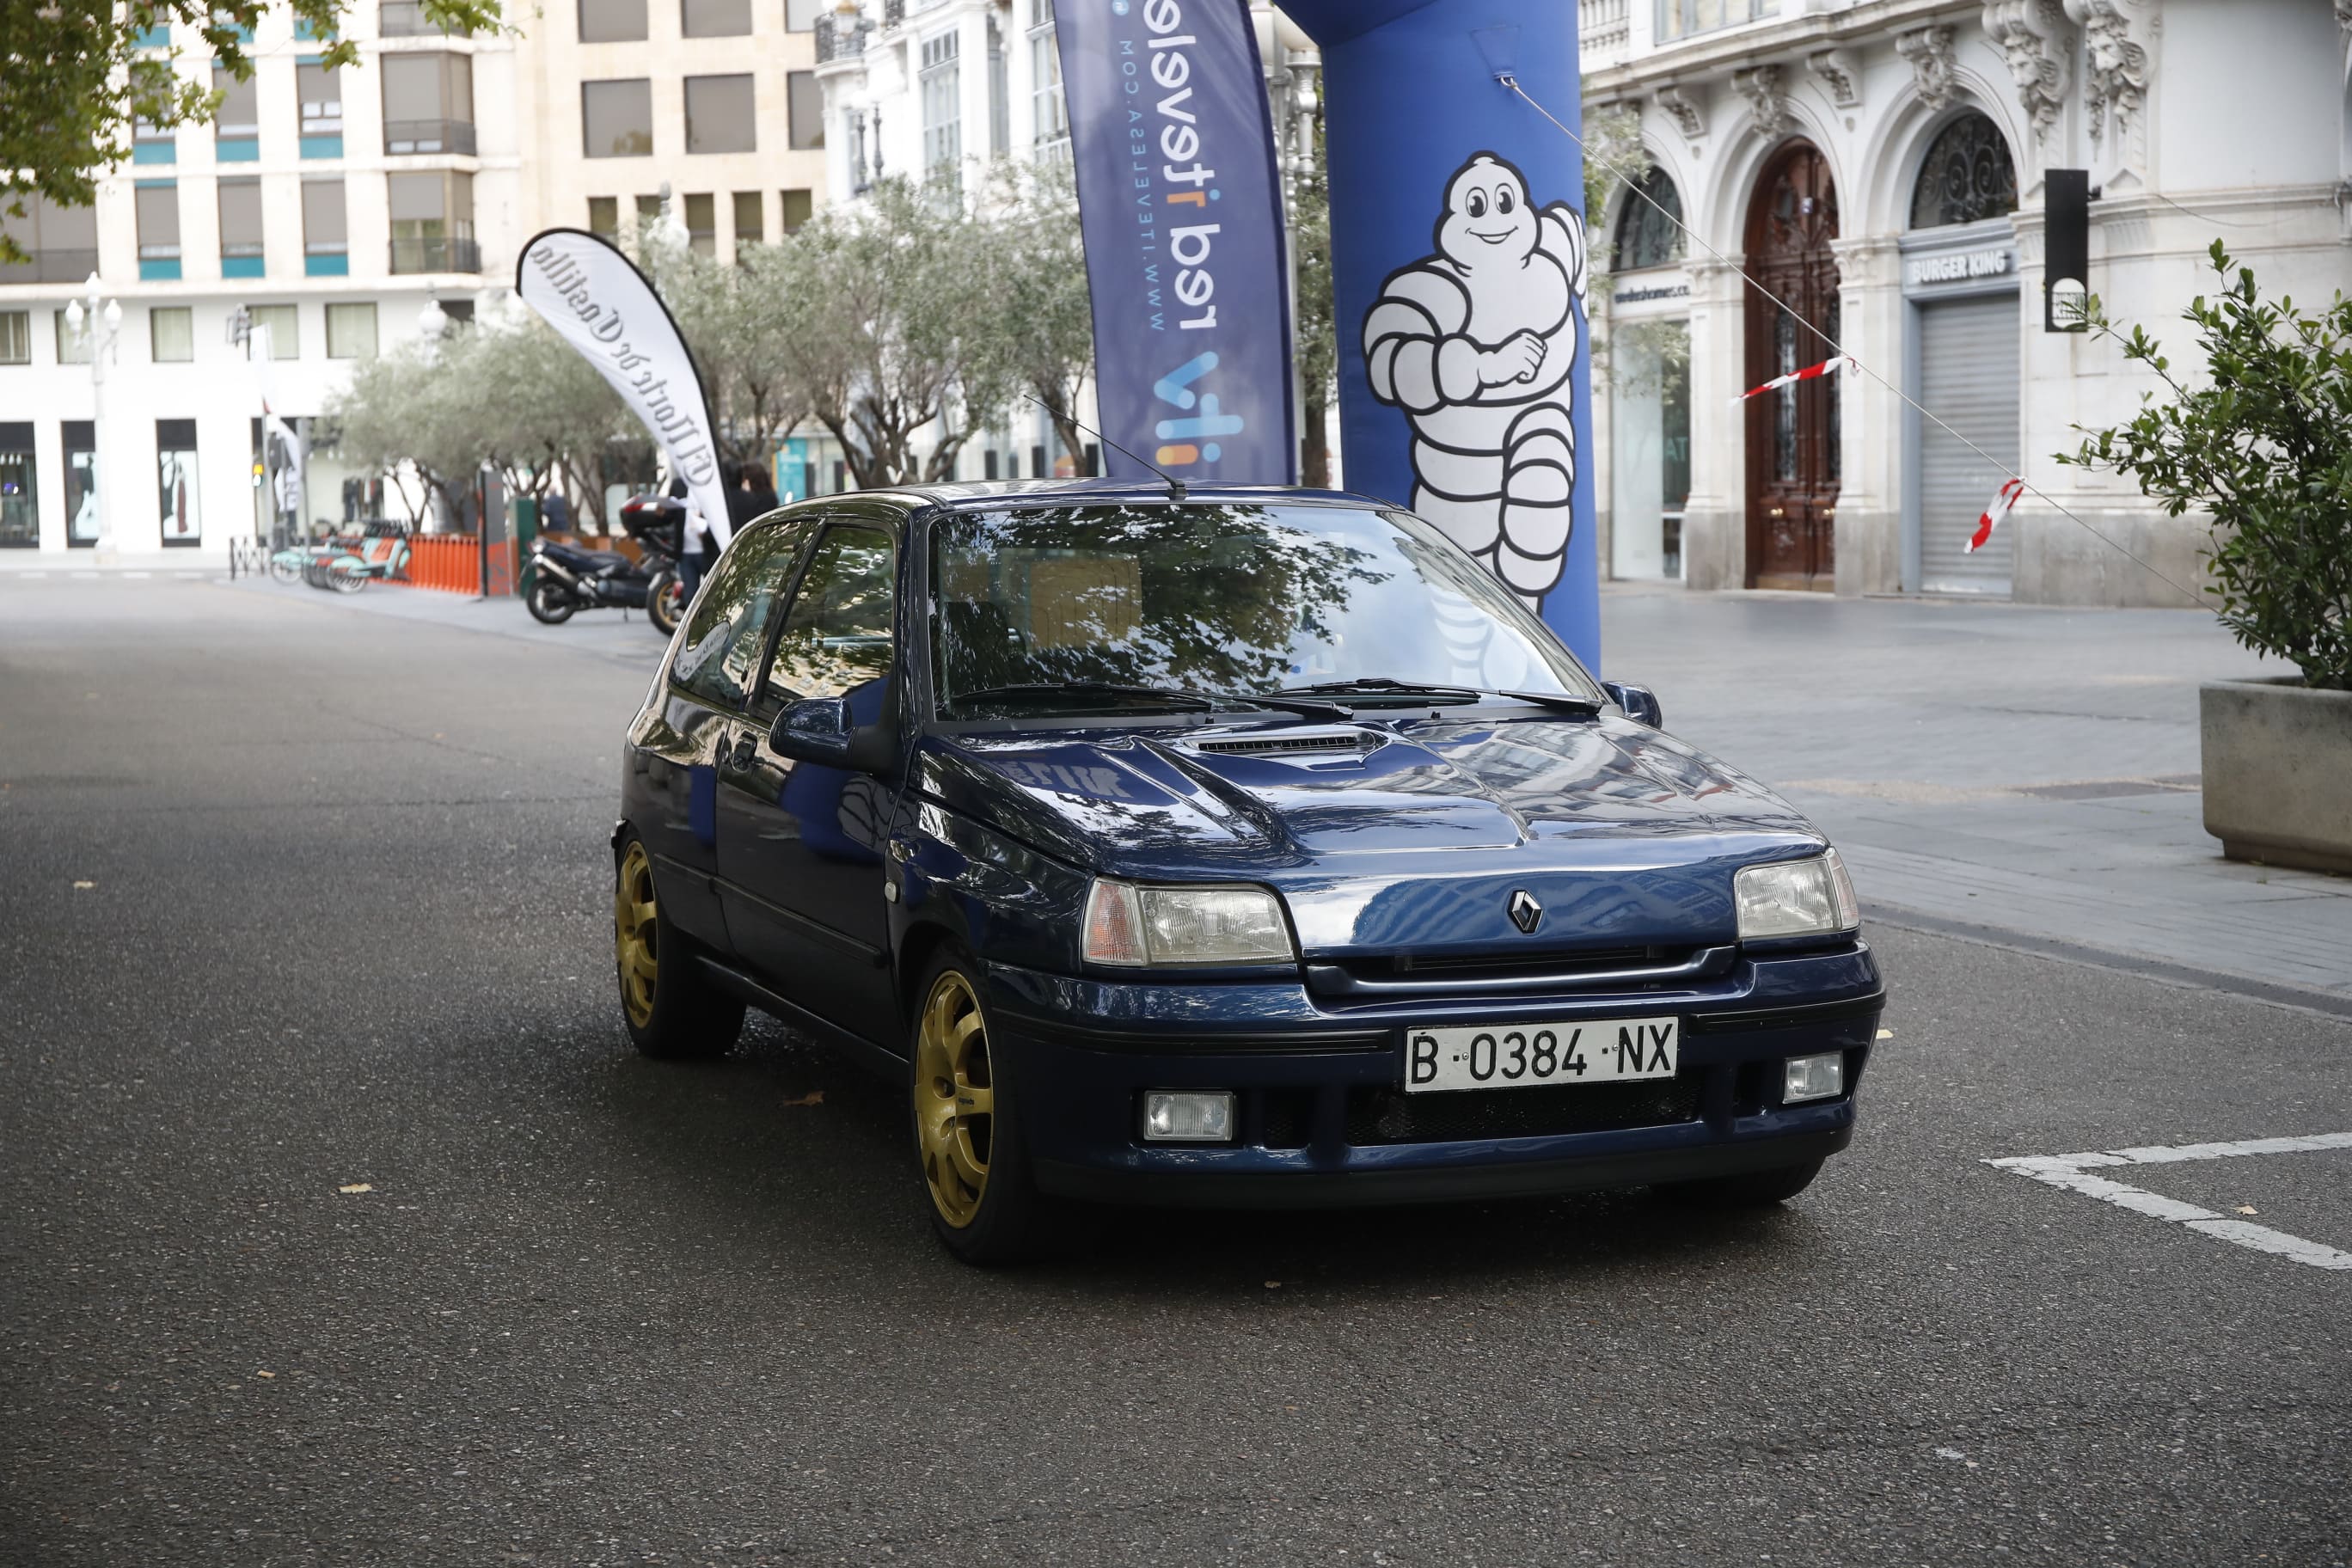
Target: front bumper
[(1322, 1119)]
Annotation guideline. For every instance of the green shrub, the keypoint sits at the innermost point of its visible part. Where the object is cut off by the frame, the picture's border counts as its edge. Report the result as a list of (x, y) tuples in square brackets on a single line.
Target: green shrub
[(2266, 449)]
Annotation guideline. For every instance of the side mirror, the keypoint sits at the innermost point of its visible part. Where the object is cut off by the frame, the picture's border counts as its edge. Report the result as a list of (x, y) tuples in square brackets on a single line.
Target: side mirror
[(1640, 704), (819, 730)]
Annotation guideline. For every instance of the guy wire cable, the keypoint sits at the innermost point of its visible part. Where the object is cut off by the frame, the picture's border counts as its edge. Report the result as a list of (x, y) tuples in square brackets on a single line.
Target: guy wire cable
[(1510, 80)]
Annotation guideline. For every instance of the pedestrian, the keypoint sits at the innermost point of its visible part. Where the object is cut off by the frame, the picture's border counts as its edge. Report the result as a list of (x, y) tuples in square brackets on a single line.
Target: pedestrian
[(555, 513), (697, 548), (742, 502), (763, 489)]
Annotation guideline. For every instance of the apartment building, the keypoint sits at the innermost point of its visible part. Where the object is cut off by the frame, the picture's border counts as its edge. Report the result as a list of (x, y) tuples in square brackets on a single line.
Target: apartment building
[(712, 102), (1879, 166), (254, 261)]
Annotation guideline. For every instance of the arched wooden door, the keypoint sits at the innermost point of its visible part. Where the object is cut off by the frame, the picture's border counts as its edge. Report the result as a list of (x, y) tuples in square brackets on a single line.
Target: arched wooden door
[(1792, 433)]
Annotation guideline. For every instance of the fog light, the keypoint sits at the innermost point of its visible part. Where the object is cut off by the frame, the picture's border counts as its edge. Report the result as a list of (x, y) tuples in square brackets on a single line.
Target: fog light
[(1812, 1077), (1172, 1116)]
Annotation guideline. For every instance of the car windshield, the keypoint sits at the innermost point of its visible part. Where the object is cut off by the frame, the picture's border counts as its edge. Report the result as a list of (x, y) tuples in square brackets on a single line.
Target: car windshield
[(1223, 599)]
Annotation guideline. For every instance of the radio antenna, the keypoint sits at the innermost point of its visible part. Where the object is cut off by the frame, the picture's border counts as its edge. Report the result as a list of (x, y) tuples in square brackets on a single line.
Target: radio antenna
[(1175, 485)]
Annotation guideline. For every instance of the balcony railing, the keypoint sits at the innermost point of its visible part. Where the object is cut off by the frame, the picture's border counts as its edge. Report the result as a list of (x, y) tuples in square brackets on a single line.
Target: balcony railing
[(406, 19), (51, 266), (1686, 18), (834, 45), (435, 256), (418, 136), (1601, 28)]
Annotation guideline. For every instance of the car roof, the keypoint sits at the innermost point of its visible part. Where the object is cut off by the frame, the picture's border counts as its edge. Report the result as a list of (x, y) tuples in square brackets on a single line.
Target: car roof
[(993, 494)]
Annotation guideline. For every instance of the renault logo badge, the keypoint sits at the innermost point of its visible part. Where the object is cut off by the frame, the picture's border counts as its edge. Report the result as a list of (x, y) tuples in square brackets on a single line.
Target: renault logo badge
[(1525, 913)]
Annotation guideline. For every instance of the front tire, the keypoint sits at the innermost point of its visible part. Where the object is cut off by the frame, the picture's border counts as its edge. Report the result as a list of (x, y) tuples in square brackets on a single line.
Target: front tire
[(671, 1007), (551, 602), (968, 1139), (665, 602), (1748, 1189)]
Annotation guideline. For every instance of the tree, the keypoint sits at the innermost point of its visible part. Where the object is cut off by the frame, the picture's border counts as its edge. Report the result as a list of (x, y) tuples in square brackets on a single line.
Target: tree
[(508, 392), (2265, 450), (1040, 330), (1315, 331), (719, 311), (75, 82), (878, 318)]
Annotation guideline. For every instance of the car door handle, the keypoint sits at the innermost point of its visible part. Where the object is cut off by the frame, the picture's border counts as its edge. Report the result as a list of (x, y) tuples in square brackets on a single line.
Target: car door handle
[(745, 752)]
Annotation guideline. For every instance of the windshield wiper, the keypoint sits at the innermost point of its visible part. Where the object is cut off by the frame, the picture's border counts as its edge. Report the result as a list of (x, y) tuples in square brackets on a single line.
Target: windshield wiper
[(1417, 691), (1567, 702), (1201, 701), (1385, 686)]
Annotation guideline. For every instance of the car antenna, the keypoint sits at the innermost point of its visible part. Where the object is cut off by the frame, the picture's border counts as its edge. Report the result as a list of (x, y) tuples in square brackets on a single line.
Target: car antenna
[(1175, 485)]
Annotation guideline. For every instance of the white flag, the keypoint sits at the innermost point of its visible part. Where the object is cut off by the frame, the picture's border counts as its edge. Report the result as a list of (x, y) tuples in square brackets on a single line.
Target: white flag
[(602, 306)]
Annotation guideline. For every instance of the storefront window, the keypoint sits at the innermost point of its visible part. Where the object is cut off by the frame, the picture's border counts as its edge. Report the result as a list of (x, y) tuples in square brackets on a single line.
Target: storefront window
[(175, 471), (20, 504), (1649, 400), (81, 483), (1968, 175)]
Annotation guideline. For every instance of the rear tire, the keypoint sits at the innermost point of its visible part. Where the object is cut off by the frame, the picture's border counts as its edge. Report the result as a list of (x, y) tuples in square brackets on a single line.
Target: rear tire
[(1748, 1189), (550, 602), (969, 1143), (665, 602), (669, 1003)]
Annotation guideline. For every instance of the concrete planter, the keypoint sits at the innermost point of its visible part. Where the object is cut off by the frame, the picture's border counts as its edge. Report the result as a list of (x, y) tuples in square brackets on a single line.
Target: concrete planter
[(2278, 772)]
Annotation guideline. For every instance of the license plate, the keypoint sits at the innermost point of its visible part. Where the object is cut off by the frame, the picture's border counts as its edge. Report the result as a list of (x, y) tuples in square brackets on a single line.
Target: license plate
[(1516, 1056)]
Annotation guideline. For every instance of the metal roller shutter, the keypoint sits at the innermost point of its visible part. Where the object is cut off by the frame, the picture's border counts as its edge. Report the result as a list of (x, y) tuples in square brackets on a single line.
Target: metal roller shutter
[(1967, 365)]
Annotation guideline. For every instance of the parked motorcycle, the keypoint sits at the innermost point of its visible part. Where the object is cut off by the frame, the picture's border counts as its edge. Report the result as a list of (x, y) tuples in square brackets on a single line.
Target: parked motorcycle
[(568, 578)]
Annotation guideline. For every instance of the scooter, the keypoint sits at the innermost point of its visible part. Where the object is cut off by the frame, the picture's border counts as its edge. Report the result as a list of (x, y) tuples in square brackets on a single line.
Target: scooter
[(568, 578)]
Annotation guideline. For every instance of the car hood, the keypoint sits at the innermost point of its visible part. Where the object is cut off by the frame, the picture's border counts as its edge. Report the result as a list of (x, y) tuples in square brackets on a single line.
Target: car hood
[(1413, 833)]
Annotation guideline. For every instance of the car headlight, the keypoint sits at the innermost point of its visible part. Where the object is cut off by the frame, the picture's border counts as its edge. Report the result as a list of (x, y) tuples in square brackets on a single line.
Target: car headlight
[(1796, 898), (1132, 926)]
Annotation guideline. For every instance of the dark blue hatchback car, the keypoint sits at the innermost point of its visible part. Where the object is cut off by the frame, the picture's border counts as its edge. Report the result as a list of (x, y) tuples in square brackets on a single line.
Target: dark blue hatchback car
[(1243, 848)]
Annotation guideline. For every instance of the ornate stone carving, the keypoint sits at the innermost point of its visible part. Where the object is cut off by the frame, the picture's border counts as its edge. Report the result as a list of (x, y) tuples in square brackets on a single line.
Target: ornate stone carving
[(2114, 72), (2344, 13), (2031, 37), (1768, 98), (1929, 50), (1682, 109), (1840, 76)]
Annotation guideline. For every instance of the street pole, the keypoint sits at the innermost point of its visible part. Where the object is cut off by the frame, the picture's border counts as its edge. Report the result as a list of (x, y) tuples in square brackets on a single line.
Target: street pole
[(97, 329)]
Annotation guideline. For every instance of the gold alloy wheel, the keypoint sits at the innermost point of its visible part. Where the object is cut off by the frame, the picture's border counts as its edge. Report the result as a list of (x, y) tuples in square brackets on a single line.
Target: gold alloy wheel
[(633, 934), (955, 1099)]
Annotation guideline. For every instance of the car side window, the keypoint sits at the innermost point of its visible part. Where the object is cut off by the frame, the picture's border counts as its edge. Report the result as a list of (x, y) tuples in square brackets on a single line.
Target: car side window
[(729, 627), (837, 634)]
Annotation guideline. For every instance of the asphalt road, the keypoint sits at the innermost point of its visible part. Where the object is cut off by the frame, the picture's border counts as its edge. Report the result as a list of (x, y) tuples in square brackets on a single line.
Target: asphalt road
[(297, 899)]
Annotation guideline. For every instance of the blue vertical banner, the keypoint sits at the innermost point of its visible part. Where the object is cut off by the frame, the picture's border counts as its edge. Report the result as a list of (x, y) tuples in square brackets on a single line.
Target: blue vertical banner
[(1458, 258), (1182, 209)]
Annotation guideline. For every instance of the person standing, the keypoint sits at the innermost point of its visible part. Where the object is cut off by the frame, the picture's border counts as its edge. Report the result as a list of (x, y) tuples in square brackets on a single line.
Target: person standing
[(697, 540)]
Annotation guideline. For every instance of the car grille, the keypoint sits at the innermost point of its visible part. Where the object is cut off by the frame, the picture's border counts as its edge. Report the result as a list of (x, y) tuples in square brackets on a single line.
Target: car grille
[(1383, 1115), (1506, 965)]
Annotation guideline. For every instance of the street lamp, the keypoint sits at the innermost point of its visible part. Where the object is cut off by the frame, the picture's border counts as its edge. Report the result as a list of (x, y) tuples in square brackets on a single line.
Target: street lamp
[(432, 321), (97, 328)]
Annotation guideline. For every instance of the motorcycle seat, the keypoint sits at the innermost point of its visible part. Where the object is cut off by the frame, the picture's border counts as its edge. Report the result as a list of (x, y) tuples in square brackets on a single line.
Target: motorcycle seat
[(574, 556)]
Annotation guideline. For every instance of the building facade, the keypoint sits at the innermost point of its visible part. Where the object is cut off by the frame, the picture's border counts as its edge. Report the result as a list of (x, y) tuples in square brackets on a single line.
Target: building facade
[(254, 261), (713, 103), (1877, 167)]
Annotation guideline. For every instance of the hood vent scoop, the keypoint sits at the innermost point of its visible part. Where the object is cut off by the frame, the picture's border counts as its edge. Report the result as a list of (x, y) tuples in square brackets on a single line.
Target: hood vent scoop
[(1295, 742)]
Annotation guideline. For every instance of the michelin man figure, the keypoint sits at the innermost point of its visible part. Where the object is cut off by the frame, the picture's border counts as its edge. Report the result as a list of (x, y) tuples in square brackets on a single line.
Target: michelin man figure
[(1475, 343)]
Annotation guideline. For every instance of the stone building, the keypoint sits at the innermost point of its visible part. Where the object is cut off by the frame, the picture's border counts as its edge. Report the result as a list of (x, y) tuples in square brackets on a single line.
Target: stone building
[(1879, 166)]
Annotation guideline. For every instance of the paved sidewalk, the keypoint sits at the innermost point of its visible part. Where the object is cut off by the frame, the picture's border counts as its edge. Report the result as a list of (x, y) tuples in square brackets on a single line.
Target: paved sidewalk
[(625, 635), (2026, 770)]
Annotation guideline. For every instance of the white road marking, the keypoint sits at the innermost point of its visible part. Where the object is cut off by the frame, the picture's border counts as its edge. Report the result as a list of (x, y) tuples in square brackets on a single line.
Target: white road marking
[(2073, 1172)]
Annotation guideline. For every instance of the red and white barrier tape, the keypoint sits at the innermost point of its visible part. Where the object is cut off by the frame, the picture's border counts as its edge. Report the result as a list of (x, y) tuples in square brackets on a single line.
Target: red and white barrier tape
[(1841, 362), (2003, 504)]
